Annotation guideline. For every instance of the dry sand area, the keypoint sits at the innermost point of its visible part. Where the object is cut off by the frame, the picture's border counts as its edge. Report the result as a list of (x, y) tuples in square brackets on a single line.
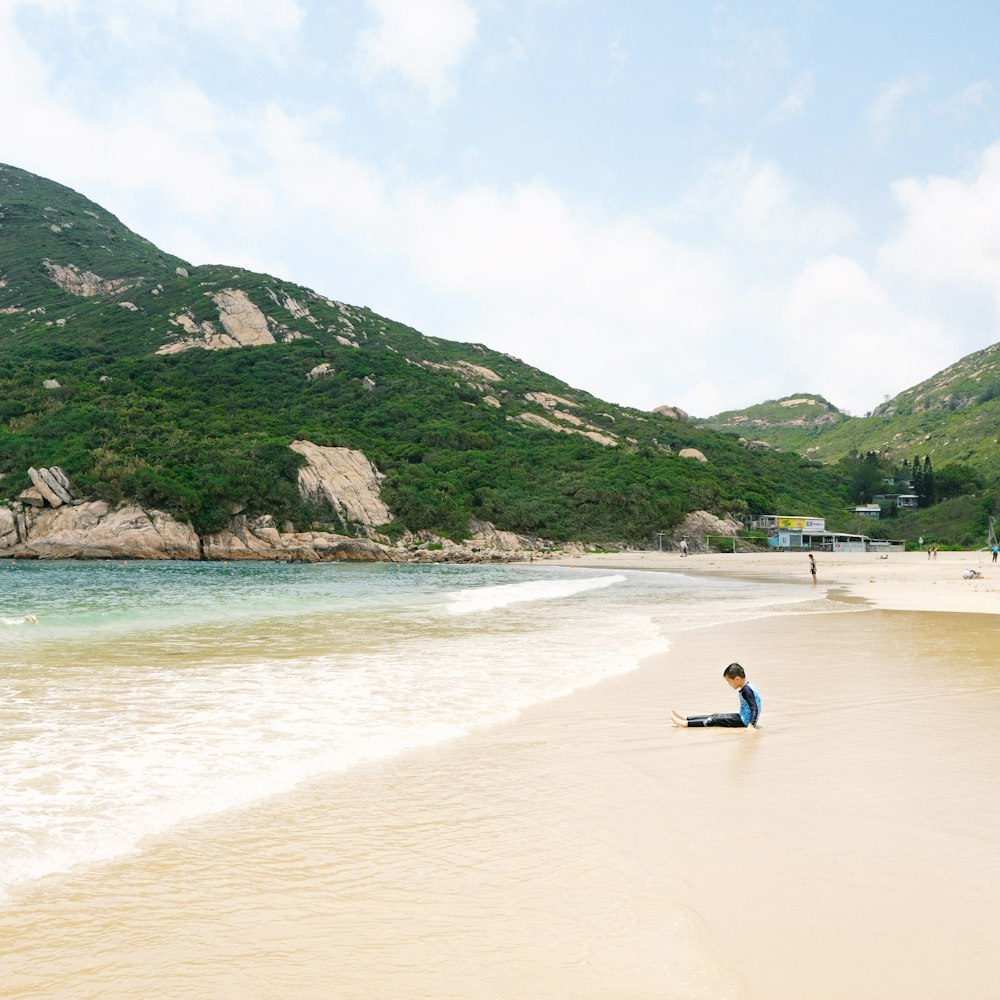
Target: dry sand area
[(900, 581)]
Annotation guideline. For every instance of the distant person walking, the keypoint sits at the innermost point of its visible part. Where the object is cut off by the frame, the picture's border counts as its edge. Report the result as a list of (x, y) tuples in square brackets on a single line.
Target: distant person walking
[(996, 549), (812, 567), (684, 546)]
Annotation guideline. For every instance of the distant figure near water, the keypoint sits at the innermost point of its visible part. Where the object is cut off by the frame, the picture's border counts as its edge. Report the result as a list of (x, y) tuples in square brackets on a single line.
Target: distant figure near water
[(684, 546), (812, 567), (746, 718)]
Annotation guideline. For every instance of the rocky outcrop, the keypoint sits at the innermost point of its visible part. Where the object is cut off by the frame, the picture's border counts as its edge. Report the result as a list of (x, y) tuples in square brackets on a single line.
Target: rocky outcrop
[(96, 531), (548, 400), (50, 486), (699, 524), (241, 319), (8, 529), (672, 412), (243, 325), (692, 453), (259, 538), (537, 420), (85, 283), (344, 480)]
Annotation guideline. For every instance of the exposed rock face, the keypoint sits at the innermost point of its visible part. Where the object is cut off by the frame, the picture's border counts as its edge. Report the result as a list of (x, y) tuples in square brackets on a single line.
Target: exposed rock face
[(31, 497), (320, 371), (8, 529), (344, 479), (50, 383), (94, 531), (692, 453), (52, 484), (700, 523), (258, 538), (466, 368), (548, 400), (71, 279), (540, 421), (241, 319), (243, 325), (672, 412)]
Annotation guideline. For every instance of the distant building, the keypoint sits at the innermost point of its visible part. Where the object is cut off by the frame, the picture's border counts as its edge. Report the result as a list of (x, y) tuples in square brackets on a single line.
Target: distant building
[(905, 501), (818, 541), (872, 510), (809, 534), (772, 522)]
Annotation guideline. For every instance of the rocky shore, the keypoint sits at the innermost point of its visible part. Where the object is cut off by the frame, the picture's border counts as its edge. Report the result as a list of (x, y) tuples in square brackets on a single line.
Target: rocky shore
[(49, 521)]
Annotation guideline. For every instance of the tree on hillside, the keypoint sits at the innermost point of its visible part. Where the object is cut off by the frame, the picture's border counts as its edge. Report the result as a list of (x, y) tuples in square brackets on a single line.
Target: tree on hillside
[(925, 496), (954, 480), (917, 471), (867, 477)]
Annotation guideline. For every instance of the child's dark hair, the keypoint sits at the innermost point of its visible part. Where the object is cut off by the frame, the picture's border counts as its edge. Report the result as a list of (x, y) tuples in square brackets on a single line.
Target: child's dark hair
[(734, 670)]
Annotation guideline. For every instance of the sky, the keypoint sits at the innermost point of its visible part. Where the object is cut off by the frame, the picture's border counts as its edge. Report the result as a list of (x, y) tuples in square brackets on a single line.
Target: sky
[(694, 204)]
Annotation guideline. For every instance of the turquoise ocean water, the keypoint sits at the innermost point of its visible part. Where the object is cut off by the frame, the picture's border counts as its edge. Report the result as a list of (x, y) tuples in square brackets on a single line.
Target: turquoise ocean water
[(147, 695)]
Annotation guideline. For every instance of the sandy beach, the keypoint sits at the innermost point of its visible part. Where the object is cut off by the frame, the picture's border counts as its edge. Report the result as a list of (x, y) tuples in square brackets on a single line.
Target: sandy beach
[(592, 850), (907, 581)]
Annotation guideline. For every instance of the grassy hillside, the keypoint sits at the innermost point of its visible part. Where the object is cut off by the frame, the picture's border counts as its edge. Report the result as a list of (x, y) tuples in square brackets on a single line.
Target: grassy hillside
[(954, 416), (460, 430)]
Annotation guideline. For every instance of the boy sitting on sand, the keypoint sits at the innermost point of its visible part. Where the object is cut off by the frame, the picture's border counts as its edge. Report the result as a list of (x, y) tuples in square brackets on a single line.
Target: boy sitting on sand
[(749, 711)]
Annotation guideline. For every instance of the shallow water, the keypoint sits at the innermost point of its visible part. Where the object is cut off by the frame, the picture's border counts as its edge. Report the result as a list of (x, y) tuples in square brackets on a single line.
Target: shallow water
[(149, 695)]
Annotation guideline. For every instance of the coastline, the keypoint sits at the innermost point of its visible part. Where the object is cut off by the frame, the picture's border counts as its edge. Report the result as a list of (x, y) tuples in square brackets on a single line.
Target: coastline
[(591, 850), (904, 581)]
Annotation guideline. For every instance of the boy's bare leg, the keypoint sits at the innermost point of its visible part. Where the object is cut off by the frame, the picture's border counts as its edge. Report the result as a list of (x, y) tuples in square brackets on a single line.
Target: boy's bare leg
[(679, 720)]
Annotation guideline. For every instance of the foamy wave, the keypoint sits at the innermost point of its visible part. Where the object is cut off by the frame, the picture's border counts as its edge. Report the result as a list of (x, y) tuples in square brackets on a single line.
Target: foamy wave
[(479, 599), (25, 620)]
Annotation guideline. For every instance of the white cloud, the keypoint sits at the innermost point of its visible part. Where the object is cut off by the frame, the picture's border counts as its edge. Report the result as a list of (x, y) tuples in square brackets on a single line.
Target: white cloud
[(795, 100), (844, 333), (885, 111), (264, 26), (423, 42), (256, 28), (603, 303), (945, 255), (749, 200), (976, 96)]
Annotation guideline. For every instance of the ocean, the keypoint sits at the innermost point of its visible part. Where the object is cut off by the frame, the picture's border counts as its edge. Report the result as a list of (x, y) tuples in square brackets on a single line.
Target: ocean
[(348, 781), (147, 695)]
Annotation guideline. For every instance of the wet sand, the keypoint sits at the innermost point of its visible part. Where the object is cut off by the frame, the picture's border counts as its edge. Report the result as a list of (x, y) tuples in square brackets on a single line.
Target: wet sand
[(591, 850)]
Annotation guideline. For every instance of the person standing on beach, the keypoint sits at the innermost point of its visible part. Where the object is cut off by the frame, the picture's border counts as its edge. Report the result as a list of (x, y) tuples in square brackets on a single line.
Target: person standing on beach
[(684, 546), (812, 567), (748, 715), (996, 549)]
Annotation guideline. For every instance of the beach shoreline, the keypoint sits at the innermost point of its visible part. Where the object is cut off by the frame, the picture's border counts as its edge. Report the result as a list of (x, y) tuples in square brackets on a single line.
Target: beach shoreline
[(591, 850), (900, 581)]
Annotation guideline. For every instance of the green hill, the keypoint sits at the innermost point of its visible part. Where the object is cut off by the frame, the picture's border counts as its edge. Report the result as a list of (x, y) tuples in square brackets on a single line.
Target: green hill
[(182, 387), (792, 423), (954, 416)]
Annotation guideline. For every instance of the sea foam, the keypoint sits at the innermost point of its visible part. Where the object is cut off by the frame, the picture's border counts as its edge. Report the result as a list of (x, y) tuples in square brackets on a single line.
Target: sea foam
[(476, 600)]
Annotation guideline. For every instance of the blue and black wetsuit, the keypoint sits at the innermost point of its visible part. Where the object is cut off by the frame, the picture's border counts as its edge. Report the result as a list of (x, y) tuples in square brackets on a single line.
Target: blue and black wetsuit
[(748, 714)]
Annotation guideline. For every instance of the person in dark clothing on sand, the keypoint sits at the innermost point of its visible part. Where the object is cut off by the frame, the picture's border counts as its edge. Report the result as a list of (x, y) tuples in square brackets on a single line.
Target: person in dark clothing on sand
[(748, 715)]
